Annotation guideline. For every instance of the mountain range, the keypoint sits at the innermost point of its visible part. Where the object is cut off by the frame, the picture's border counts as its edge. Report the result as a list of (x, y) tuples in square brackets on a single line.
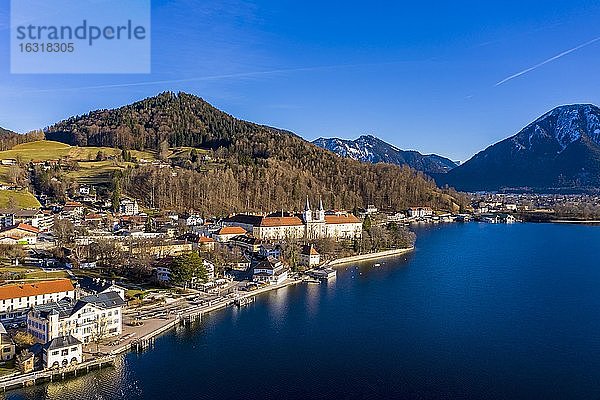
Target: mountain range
[(368, 148), (559, 150), (256, 167)]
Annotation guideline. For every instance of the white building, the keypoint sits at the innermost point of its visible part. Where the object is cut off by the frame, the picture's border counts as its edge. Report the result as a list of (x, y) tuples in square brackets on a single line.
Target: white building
[(420, 212), (194, 220), (271, 271), (129, 207), (309, 256), (20, 234), (62, 352), (15, 300), (90, 318), (227, 233), (308, 225)]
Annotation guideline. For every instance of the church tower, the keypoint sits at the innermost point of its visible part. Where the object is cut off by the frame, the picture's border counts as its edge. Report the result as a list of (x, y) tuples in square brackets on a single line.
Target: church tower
[(321, 212), (307, 211)]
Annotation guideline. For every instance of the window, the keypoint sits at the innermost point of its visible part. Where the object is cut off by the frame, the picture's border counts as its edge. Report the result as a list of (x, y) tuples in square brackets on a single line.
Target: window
[(64, 352), (55, 353), (6, 350), (73, 348)]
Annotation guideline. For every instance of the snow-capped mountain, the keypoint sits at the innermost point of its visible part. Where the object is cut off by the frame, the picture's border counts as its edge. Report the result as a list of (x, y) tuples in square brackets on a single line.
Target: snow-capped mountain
[(561, 149), (368, 148)]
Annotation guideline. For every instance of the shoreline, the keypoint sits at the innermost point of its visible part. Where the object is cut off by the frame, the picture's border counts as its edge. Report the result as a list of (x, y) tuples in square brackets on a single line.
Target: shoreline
[(156, 327), (575, 221), (369, 256), (143, 341)]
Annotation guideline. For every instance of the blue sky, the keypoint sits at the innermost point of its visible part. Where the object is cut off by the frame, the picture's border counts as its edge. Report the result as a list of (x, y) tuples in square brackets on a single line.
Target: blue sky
[(422, 75)]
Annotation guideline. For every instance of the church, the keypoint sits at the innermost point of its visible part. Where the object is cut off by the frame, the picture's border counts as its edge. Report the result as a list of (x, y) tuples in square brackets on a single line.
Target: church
[(339, 225)]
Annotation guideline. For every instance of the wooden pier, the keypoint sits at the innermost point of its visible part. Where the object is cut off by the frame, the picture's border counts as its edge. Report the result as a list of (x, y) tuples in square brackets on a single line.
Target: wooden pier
[(50, 375), (244, 301), (190, 316)]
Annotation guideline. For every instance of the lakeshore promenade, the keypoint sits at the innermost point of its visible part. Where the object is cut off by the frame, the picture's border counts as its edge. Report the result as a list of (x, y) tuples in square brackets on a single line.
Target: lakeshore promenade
[(369, 256), (139, 337)]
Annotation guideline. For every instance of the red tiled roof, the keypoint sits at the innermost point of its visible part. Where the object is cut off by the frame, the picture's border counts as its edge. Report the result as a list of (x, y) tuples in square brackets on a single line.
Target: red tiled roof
[(34, 289), (341, 219), (23, 227), (204, 239), (231, 230), (280, 221)]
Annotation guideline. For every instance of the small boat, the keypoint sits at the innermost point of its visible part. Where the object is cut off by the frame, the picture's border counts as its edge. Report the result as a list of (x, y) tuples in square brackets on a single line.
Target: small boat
[(313, 281), (377, 265)]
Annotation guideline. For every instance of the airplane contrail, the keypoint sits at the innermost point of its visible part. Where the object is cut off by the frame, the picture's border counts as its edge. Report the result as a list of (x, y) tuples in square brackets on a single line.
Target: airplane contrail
[(556, 57), (212, 77)]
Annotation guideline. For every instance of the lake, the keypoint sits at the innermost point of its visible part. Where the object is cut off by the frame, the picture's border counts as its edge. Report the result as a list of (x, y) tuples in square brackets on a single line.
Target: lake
[(477, 311)]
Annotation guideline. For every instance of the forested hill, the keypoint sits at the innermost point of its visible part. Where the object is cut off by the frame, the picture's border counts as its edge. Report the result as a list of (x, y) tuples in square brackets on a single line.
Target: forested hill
[(9, 139), (260, 168)]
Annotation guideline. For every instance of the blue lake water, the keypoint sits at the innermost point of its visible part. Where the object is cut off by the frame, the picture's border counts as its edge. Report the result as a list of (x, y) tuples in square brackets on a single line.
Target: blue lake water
[(477, 311)]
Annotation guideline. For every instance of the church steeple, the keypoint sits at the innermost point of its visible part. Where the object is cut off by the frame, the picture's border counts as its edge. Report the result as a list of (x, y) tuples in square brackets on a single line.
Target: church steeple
[(321, 211), (307, 211)]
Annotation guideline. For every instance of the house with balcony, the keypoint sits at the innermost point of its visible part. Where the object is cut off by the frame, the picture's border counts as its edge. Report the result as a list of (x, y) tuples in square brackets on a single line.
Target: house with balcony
[(88, 319)]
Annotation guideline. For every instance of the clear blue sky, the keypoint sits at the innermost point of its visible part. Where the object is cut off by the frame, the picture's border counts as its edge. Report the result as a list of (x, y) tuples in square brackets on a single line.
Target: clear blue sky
[(421, 75)]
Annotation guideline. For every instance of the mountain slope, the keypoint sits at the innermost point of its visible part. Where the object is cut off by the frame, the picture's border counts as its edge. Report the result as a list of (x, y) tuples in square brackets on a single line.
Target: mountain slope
[(561, 149), (368, 148), (5, 132), (8, 138), (257, 167)]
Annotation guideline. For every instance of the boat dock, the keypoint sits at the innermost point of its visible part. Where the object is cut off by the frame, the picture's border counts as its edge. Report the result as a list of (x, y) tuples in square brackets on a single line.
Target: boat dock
[(50, 375), (128, 341)]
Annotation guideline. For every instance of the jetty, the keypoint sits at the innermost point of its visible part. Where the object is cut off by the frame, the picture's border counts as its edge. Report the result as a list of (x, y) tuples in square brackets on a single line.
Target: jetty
[(142, 338), (17, 380)]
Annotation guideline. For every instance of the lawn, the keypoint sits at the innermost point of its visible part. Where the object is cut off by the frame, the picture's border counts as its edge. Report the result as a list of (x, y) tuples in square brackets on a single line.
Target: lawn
[(43, 150), (90, 171), (18, 198), (13, 272), (97, 172)]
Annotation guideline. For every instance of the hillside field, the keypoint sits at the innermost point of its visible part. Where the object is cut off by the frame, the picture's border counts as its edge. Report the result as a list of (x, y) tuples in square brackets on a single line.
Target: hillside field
[(20, 199)]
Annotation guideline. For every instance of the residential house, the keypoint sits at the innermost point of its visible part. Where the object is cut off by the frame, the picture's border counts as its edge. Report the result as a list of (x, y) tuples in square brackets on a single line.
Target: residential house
[(7, 218), (271, 271), (161, 249), (247, 243), (129, 207), (89, 286), (309, 256), (16, 299), (73, 209), (88, 319), (227, 233), (270, 250), (20, 234), (25, 361), (420, 212), (194, 220), (62, 352), (206, 243), (7, 346)]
